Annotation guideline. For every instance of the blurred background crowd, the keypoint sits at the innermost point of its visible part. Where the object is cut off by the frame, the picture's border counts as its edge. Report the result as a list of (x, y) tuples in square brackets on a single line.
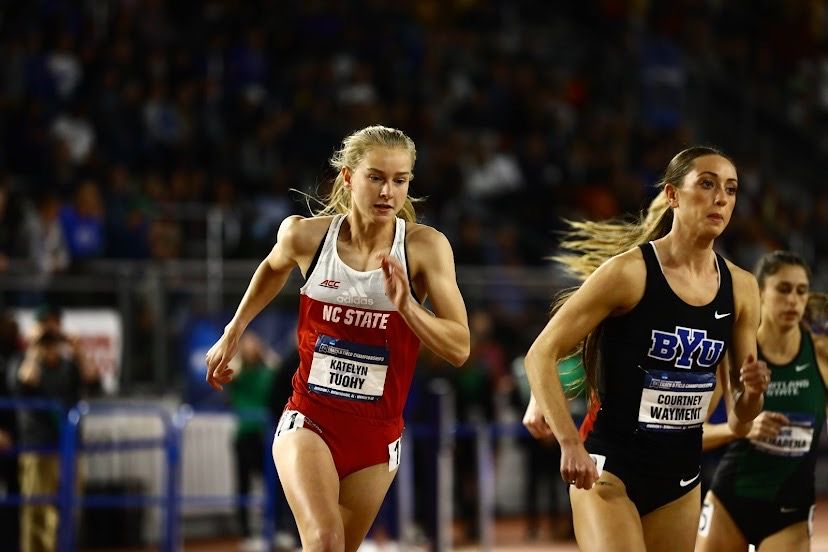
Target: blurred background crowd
[(159, 131), (150, 149), (123, 122)]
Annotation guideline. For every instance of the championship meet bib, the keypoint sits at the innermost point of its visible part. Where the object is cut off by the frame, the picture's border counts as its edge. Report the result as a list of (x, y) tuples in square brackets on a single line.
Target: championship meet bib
[(792, 440), (674, 401), (348, 370)]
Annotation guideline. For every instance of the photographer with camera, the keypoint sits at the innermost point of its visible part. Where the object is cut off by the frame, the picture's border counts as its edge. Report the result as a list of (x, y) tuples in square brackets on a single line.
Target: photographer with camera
[(53, 368)]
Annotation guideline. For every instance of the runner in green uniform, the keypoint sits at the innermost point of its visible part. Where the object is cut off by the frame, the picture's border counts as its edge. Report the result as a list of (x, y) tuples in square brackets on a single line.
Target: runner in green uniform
[(763, 490)]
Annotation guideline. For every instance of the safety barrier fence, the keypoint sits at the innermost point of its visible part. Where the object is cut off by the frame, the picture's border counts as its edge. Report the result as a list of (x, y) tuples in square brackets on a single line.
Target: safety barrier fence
[(443, 432), (68, 448)]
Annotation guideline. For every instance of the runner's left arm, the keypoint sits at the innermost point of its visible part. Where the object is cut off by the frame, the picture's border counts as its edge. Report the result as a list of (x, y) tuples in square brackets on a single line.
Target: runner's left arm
[(748, 377), (720, 434), (446, 330)]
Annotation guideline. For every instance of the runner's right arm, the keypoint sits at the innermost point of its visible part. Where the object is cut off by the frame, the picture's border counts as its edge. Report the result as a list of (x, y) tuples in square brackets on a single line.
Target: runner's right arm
[(296, 242)]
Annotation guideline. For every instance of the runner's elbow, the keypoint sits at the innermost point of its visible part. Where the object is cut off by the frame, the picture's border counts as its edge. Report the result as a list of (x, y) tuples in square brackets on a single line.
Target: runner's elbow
[(459, 356), (458, 351)]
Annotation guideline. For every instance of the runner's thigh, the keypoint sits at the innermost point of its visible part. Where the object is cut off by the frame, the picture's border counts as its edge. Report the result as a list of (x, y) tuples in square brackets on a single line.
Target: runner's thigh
[(793, 538), (717, 530), (605, 519), (673, 527), (360, 498), (308, 476)]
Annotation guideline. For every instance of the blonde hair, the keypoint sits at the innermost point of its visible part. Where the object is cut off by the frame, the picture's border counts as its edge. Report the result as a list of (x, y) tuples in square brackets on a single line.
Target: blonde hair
[(354, 148), (589, 244)]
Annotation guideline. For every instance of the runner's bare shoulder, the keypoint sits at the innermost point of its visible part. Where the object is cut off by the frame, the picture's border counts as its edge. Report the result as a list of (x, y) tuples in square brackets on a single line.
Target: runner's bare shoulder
[(745, 289), (297, 241), (420, 238), (302, 235), (623, 278)]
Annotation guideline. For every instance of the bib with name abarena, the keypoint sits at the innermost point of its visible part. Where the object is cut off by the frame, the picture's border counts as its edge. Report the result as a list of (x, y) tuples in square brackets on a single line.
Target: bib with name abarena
[(781, 468)]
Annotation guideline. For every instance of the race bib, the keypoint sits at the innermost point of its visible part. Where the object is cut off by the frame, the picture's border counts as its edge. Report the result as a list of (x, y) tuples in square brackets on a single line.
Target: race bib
[(348, 370), (792, 440), (599, 460), (705, 518), (674, 401), (290, 421), (394, 453), (811, 520)]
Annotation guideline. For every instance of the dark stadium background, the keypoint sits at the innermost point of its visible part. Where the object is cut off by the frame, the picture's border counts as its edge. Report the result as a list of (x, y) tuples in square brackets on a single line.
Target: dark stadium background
[(150, 149)]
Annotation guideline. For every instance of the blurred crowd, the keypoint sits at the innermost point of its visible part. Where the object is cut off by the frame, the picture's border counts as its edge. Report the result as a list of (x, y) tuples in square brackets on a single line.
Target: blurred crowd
[(127, 126), (125, 123)]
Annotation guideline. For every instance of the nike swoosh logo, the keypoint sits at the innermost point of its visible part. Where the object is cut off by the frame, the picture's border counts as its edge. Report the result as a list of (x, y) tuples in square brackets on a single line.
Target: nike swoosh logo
[(718, 316), (684, 483), (787, 510), (800, 367)]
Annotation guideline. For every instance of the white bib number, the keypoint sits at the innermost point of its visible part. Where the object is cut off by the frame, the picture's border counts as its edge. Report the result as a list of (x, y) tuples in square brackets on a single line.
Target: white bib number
[(348, 370), (705, 518), (290, 421), (394, 451), (811, 521), (792, 440), (674, 401), (599, 460)]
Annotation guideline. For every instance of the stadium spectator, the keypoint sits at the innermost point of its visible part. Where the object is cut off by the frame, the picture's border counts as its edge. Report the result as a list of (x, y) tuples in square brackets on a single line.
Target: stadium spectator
[(53, 367)]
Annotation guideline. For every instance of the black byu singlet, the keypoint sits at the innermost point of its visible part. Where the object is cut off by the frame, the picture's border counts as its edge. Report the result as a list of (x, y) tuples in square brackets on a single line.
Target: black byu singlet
[(658, 372)]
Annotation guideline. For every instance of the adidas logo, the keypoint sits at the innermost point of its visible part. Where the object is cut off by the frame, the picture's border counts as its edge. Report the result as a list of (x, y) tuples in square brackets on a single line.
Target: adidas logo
[(355, 296)]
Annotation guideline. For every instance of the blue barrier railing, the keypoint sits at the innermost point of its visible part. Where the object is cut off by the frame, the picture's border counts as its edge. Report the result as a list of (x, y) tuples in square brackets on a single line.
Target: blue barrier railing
[(171, 499), (68, 448)]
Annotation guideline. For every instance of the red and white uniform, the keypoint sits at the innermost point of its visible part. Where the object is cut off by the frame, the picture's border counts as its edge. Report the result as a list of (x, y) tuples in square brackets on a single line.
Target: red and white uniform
[(357, 359)]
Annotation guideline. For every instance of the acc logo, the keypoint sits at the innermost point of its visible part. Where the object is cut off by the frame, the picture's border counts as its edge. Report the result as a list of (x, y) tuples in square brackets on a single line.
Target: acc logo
[(332, 284), (683, 345)]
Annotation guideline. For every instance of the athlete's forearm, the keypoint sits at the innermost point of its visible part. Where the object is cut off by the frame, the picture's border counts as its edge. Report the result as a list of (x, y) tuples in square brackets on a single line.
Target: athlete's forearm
[(717, 435), (745, 407), (547, 390), (446, 338), (265, 284)]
